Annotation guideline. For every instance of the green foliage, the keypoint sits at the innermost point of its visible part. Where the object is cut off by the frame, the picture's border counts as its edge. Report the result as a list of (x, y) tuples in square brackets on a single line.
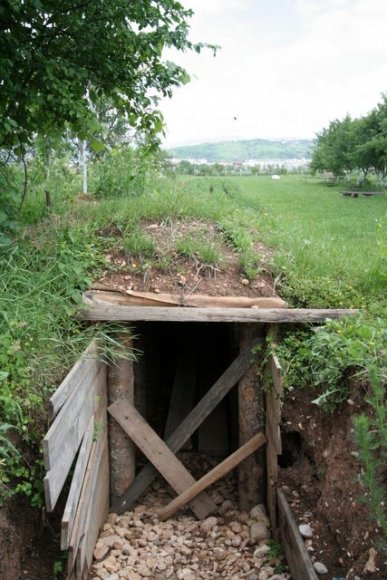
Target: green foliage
[(371, 437), (57, 61), (123, 172), (329, 354), (8, 202), (40, 292), (354, 144)]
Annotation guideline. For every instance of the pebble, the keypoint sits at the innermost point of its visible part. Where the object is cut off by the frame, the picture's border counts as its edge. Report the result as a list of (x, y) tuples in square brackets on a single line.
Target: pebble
[(320, 568), (305, 531), (258, 532), (230, 544)]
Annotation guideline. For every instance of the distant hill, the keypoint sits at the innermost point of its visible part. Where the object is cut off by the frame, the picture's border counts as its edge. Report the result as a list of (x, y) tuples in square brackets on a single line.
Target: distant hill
[(261, 149)]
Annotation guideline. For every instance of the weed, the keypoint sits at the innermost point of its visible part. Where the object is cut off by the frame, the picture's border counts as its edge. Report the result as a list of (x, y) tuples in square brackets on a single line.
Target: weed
[(327, 355), (371, 438), (136, 243), (195, 247)]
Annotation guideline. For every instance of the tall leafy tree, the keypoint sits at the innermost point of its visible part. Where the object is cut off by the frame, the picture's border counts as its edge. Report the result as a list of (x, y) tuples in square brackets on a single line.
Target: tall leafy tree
[(59, 59)]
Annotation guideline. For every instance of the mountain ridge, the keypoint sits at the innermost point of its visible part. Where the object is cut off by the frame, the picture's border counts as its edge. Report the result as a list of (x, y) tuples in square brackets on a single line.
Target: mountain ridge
[(246, 149)]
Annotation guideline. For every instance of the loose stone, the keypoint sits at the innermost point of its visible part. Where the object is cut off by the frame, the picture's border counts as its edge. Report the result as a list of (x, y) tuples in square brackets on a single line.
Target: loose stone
[(258, 532), (320, 568), (305, 531)]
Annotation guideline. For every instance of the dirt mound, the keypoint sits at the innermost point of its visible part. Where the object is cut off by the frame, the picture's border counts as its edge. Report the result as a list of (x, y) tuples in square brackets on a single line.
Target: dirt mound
[(185, 257)]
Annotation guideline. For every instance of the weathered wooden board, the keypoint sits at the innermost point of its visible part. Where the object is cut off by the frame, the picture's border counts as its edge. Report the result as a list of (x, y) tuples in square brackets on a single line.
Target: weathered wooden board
[(216, 473), (62, 441), (76, 486), (159, 454), (131, 298), (97, 309), (301, 567), (189, 425), (251, 419), (83, 367), (71, 422), (273, 434), (86, 500), (97, 514), (121, 449), (183, 392)]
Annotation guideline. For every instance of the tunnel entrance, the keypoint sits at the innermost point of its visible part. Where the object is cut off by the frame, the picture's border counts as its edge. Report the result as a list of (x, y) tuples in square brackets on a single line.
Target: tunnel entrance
[(180, 362)]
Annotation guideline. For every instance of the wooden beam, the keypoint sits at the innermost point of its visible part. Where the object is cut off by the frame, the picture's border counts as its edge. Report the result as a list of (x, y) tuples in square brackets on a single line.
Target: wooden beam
[(189, 425), (250, 406), (121, 448), (71, 382), (216, 473), (99, 310), (297, 557), (273, 389), (159, 454)]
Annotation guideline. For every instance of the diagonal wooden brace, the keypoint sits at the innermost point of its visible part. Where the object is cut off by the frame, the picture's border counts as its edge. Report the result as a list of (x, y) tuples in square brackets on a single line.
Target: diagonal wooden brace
[(189, 425), (216, 473), (142, 434)]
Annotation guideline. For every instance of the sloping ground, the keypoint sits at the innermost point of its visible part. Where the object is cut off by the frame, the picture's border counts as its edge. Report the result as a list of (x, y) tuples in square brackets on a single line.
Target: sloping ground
[(320, 474), (184, 258)]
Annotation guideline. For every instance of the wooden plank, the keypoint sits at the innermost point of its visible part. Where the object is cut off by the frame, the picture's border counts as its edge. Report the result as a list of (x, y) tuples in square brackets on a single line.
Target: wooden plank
[(97, 310), (159, 454), (97, 513), (271, 485), (72, 419), (131, 298), (276, 373), (76, 486), (186, 429), (86, 498), (63, 439), (122, 451), (216, 473), (183, 392), (274, 387), (250, 406), (301, 567), (74, 378)]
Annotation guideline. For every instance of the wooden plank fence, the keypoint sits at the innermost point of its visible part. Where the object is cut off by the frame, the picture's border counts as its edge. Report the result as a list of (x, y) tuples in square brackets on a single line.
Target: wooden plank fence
[(77, 438)]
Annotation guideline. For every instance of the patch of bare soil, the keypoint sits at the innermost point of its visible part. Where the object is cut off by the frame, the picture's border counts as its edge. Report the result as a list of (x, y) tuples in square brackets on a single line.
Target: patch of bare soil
[(169, 270), (28, 546), (319, 474)]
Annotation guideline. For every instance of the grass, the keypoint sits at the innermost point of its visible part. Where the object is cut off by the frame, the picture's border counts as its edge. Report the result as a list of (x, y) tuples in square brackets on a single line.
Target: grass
[(329, 253), (329, 248)]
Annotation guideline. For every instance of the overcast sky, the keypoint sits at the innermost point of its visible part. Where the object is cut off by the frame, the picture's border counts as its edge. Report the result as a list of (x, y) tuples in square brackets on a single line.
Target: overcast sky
[(285, 69)]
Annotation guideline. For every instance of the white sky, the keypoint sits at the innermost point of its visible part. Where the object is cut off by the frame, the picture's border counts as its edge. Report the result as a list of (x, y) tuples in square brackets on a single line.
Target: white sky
[(285, 69)]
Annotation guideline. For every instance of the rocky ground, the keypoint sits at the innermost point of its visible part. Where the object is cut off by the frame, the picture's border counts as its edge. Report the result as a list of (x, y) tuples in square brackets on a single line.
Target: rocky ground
[(230, 544)]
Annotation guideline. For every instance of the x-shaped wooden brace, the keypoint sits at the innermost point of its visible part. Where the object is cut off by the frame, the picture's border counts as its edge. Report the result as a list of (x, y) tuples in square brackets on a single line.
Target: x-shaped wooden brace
[(162, 454)]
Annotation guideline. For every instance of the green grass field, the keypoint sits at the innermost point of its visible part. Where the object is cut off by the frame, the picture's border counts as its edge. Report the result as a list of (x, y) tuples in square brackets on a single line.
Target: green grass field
[(330, 248)]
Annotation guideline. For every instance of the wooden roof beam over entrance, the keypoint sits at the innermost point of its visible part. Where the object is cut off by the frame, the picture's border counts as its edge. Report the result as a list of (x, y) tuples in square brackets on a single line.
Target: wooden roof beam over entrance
[(102, 308)]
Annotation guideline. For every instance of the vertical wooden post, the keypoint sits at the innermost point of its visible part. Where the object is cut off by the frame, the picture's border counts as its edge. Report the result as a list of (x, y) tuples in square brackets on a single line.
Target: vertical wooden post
[(251, 419), (121, 447)]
